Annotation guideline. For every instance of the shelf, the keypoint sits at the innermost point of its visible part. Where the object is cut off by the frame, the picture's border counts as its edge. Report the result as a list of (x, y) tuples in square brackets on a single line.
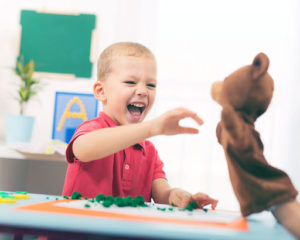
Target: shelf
[(7, 152)]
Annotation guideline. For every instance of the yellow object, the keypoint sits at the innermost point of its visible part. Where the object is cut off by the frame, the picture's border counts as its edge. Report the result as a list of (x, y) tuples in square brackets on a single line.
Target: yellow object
[(21, 196), (52, 145), (67, 113), (8, 200)]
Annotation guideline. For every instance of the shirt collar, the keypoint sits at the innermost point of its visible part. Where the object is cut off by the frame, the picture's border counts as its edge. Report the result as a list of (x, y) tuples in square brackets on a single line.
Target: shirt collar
[(111, 123)]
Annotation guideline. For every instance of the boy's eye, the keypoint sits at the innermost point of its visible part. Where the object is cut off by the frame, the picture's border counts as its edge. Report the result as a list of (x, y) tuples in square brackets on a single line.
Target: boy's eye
[(151, 85), (129, 82)]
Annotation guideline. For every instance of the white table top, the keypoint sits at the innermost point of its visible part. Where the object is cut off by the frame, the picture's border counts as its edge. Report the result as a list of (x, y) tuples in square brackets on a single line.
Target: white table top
[(7, 152)]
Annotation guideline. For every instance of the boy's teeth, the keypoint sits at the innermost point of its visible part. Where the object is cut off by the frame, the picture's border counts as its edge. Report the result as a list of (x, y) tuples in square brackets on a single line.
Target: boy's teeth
[(138, 105)]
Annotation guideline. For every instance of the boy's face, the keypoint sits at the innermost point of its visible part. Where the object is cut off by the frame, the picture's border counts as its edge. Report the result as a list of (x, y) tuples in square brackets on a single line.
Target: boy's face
[(129, 91)]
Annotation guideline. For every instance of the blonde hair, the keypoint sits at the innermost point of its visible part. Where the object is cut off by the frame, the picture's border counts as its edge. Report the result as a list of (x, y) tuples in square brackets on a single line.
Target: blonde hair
[(116, 50)]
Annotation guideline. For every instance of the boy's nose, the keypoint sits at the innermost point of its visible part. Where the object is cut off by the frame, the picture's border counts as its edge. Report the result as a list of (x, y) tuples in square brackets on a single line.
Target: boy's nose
[(142, 91)]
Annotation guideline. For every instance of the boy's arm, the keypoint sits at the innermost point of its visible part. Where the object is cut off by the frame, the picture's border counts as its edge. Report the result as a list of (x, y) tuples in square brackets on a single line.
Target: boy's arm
[(288, 214), (164, 194), (160, 191), (104, 142)]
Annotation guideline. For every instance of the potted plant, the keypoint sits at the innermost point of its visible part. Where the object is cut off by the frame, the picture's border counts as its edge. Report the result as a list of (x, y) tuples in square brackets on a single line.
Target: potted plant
[(19, 127)]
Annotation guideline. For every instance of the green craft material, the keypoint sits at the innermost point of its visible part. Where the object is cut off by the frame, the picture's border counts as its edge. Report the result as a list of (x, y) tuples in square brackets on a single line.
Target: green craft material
[(100, 197), (109, 198), (4, 193), (8, 196), (161, 209), (76, 195), (139, 200), (21, 192), (204, 209), (107, 203), (194, 205), (189, 207)]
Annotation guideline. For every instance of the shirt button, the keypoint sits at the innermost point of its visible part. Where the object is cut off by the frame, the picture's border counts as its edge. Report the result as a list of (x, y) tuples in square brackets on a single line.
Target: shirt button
[(126, 166)]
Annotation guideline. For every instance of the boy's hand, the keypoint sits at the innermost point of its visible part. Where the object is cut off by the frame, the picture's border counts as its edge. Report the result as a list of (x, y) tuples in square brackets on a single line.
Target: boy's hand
[(182, 198), (203, 199), (168, 123), (179, 197)]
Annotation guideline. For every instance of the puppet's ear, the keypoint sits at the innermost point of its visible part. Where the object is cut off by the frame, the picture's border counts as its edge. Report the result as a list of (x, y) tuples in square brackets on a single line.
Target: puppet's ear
[(260, 65), (216, 91)]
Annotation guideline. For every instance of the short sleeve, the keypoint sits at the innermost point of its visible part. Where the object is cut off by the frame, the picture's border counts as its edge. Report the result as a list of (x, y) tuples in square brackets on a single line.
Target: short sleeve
[(82, 129)]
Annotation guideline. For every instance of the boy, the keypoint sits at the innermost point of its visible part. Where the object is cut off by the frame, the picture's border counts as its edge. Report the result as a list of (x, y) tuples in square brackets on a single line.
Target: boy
[(109, 154)]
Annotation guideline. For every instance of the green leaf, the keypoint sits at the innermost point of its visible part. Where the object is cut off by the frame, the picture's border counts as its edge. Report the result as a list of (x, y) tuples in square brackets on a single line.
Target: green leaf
[(28, 86)]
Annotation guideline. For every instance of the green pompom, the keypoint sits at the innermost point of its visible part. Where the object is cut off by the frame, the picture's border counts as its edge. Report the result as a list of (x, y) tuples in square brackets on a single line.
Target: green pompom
[(76, 195), (100, 197), (139, 199), (107, 203), (109, 198), (189, 207), (194, 205)]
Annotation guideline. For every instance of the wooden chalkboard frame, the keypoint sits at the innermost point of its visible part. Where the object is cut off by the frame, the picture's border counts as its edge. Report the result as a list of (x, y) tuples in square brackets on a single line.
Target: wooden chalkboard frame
[(58, 43)]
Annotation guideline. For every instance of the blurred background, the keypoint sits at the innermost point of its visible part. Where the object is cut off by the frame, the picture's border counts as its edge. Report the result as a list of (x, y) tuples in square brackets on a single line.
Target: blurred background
[(196, 42)]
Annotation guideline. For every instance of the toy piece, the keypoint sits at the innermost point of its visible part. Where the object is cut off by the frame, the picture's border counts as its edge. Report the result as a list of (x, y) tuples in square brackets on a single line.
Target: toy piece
[(7, 199), (76, 195), (245, 95), (12, 197), (21, 196)]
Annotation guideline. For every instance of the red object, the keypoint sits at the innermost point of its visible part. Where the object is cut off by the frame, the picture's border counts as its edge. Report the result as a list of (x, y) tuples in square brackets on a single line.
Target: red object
[(129, 172)]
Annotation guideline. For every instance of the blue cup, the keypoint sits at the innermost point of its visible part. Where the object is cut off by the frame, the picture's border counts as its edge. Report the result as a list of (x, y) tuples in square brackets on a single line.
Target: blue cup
[(19, 128)]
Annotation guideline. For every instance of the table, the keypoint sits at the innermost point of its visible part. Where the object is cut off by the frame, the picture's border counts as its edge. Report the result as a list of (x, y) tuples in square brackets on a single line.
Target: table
[(70, 226)]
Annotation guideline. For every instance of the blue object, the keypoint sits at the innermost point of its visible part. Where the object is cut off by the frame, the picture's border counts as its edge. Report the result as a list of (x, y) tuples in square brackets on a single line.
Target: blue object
[(69, 134), (19, 128), (91, 227), (70, 110)]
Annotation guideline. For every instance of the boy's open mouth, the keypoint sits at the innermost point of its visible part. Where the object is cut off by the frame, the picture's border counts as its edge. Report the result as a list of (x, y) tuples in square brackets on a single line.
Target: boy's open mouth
[(136, 108)]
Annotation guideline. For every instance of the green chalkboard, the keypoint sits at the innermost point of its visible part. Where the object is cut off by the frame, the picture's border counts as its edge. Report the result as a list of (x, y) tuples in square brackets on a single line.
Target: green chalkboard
[(58, 43)]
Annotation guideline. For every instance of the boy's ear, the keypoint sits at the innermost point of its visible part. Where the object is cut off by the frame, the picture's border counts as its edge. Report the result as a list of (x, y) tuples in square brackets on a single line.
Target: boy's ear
[(260, 65), (99, 91)]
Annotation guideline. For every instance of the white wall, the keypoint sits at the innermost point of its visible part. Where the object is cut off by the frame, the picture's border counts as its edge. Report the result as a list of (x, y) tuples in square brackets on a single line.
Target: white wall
[(196, 43), (199, 42)]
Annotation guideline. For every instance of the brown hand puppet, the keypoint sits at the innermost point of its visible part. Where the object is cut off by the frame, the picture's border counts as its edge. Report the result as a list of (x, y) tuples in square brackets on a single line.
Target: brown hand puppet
[(245, 95)]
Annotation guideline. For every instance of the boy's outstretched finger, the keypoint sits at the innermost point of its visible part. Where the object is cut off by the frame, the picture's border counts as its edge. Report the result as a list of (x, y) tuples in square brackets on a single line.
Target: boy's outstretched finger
[(193, 115), (198, 119), (189, 130)]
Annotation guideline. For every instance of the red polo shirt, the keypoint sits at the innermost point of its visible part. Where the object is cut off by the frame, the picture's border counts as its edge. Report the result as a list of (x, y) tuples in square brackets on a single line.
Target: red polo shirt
[(129, 172)]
